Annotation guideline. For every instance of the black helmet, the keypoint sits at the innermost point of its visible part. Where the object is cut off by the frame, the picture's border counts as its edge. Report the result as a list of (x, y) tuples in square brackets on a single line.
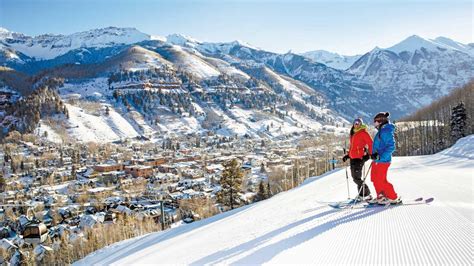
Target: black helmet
[(382, 116)]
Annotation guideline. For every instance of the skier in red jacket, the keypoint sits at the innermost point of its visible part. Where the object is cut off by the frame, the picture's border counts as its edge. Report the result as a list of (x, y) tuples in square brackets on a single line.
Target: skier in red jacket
[(360, 141)]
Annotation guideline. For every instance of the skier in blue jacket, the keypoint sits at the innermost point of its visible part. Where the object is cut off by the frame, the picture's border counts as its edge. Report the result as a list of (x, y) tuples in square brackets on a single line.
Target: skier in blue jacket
[(382, 149)]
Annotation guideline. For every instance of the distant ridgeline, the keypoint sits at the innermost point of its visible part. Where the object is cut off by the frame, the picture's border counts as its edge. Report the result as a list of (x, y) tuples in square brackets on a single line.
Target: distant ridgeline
[(438, 125)]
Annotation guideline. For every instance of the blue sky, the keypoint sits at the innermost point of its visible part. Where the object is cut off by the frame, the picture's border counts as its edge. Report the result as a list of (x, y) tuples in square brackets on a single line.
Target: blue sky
[(347, 27)]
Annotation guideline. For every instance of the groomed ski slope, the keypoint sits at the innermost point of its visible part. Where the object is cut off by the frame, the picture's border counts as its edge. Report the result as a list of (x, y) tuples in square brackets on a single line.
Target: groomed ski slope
[(296, 227)]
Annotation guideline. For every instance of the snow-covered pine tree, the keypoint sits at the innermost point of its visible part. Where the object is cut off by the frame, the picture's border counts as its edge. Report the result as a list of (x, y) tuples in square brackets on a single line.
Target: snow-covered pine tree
[(231, 182), (458, 122)]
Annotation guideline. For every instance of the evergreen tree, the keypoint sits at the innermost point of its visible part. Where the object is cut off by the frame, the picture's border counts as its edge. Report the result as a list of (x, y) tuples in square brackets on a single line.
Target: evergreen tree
[(262, 191), (61, 161), (73, 172), (3, 183), (13, 166), (458, 122), (231, 182)]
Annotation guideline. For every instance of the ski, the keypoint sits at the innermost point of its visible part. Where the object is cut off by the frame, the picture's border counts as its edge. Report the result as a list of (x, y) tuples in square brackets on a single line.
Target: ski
[(364, 205), (339, 204), (375, 203), (418, 201), (344, 204)]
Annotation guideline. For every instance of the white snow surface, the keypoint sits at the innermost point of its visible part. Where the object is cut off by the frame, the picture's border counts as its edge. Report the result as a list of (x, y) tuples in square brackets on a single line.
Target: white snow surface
[(51, 135), (194, 64), (297, 226), (88, 127)]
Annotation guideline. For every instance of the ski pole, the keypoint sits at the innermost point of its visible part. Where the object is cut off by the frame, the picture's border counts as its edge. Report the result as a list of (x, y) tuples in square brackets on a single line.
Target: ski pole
[(347, 179), (347, 182), (363, 184), (363, 171), (366, 174)]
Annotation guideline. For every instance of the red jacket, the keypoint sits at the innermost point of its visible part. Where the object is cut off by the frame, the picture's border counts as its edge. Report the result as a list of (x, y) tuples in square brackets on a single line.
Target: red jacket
[(358, 141)]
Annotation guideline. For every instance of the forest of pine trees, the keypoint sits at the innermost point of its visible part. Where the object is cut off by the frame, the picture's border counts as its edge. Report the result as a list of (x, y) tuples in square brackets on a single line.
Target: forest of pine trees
[(438, 125), (27, 112), (223, 90)]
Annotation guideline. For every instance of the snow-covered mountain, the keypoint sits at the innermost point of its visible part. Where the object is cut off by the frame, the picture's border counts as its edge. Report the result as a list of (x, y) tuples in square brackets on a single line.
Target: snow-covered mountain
[(49, 46), (331, 59), (415, 42), (171, 89), (340, 89), (398, 79), (298, 227), (417, 69)]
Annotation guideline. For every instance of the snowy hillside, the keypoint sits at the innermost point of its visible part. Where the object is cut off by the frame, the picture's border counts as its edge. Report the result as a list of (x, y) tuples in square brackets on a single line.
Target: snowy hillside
[(88, 100), (297, 227)]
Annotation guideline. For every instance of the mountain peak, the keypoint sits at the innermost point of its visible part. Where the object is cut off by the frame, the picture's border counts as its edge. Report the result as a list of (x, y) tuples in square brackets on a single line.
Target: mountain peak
[(416, 42), (181, 39), (243, 43), (4, 33), (413, 43)]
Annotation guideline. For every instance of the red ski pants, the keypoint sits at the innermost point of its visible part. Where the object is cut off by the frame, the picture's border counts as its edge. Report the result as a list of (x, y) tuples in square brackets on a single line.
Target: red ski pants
[(378, 175)]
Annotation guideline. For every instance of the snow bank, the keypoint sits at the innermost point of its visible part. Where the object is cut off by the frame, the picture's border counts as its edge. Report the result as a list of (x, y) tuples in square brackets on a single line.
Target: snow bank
[(463, 148)]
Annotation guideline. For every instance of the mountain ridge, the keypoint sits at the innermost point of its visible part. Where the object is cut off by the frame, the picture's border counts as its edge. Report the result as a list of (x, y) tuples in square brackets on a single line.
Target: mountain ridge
[(377, 80)]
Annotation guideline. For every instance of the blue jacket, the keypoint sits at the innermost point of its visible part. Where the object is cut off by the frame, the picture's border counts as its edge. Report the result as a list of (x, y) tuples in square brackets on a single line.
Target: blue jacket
[(384, 143)]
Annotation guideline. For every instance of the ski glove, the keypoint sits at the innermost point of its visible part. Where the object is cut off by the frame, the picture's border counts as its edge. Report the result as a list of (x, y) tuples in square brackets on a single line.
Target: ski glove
[(344, 159), (366, 157), (375, 156)]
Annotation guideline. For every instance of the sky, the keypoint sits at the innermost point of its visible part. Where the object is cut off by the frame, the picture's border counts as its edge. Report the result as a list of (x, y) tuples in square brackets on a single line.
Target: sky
[(343, 26)]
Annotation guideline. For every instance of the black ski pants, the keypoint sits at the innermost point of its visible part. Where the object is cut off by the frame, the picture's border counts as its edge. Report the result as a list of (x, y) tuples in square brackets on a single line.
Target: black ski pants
[(356, 172)]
